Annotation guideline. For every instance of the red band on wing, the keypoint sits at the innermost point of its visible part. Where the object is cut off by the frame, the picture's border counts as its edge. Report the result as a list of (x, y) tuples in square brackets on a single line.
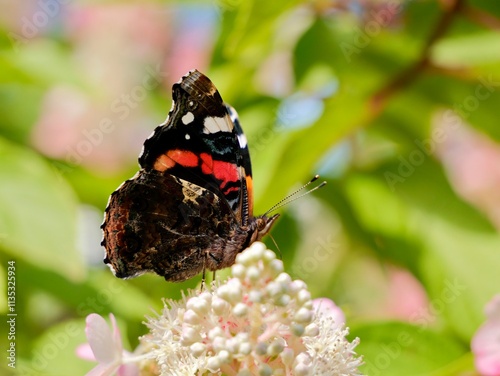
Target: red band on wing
[(163, 162), (225, 171), (182, 157), (231, 189), (207, 163)]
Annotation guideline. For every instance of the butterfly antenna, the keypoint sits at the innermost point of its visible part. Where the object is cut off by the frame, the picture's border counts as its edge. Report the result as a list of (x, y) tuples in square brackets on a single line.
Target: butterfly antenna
[(293, 196)]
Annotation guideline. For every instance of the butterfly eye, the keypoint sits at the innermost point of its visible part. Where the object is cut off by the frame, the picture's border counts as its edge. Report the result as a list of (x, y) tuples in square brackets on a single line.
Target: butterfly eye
[(261, 224)]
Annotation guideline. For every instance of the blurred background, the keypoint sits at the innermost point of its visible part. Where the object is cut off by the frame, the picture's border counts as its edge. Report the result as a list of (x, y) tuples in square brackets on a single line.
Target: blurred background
[(394, 103)]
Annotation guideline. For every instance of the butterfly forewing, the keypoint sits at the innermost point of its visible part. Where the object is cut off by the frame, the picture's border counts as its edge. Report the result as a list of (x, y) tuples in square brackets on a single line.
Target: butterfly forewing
[(197, 143)]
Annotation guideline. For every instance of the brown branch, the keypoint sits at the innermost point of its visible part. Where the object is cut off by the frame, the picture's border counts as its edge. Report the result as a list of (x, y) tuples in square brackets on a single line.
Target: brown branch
[(481, 17), (409, 75)]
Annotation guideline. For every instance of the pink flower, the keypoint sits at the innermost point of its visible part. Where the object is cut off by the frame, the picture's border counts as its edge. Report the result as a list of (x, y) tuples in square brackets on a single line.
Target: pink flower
[(105, 347), (486, 342), (327, 308)]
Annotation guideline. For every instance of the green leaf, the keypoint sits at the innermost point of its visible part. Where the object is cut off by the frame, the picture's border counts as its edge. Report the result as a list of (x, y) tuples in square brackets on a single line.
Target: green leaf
[(467, 50), (38, 213), (424, 186), (296, 157), (460, 269), (19, 105), (395, 348), (54, 353), (248, 29), (492, 7), (455, 258), (51, 61), (474, 99)]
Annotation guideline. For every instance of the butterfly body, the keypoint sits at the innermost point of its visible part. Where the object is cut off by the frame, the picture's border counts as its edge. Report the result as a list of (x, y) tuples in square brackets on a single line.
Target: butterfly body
[(189, 208)]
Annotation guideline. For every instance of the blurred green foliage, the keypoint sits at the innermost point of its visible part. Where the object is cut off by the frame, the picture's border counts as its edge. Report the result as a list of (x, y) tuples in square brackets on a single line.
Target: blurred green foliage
[(387, 67)]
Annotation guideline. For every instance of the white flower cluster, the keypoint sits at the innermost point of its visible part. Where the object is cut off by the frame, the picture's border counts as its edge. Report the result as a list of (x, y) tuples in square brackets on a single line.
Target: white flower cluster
[(260, 322)]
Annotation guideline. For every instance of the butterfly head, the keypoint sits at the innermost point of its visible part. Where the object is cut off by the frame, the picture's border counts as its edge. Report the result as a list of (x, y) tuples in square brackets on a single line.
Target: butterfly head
[(263, 225)]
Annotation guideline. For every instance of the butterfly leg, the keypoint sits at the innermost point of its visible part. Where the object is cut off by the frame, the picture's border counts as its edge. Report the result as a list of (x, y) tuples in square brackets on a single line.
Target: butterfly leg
[(204, 271), (203, 279)]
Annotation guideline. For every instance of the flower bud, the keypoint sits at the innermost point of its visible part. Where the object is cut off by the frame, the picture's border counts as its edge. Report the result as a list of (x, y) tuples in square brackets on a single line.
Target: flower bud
[(189, 336), (197, 349), (303, 315), (224, 356), (311, 330), (213, 364), (191, 317), (240, 309), (275, 348), (253, 273), (198, 305), (265, 370), (238, 271)]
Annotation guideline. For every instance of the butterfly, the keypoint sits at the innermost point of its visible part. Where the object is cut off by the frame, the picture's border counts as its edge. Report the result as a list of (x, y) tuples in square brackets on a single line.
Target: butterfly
[(190, 206)]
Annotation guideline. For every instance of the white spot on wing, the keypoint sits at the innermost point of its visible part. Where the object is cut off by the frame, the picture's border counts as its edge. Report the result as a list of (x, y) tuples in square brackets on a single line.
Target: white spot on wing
[(217, 124), (188, 118), (242, 140), (112, 268), (232, 113), (187, 136)]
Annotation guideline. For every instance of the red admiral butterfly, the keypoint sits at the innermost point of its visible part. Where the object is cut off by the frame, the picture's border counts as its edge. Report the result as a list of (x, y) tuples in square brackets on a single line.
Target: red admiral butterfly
[(189, 208)]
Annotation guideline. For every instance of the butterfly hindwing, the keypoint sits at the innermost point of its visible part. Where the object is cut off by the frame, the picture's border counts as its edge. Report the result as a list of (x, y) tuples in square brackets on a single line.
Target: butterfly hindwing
[(153, 218)]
